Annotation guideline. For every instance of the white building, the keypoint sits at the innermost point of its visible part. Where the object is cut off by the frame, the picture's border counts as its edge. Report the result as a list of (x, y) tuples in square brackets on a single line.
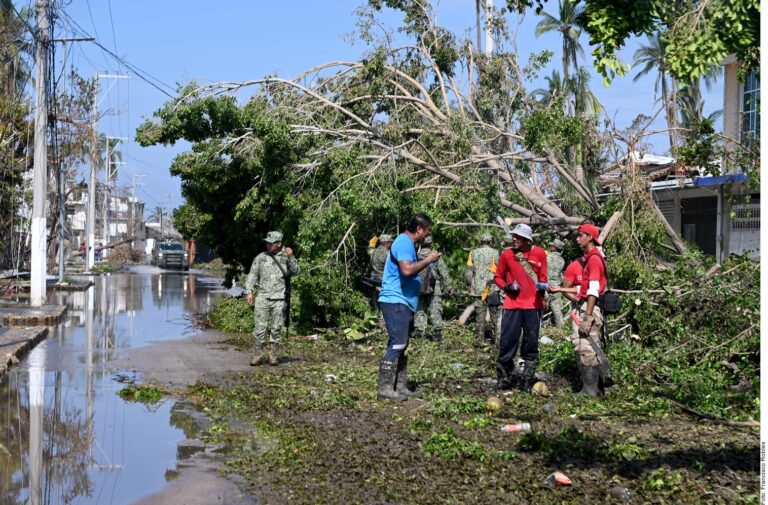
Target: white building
[(721, 213)]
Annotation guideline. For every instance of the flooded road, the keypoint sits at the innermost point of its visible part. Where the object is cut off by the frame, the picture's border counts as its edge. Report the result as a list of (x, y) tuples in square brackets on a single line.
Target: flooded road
[(65, 434)]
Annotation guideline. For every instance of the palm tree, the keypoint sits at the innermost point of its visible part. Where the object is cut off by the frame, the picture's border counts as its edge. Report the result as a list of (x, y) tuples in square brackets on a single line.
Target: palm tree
[(690, 101), (585, 102), (156, 214), (650, 57), (566, 23), (554, 89)]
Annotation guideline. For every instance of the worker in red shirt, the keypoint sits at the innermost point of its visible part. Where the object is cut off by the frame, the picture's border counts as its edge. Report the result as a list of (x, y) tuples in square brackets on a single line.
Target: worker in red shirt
[(593, 364), (569, 288), (522, 274)]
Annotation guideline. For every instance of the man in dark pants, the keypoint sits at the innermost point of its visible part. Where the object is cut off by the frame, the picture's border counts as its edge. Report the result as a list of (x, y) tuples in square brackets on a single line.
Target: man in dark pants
[(399, 300), (522, 274)]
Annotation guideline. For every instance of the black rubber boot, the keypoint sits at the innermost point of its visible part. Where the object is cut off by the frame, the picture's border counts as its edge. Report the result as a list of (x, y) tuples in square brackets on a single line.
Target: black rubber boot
[(437, 336), (590, 376), (387, 378), (401, 385), (503, 378), (529, 376)]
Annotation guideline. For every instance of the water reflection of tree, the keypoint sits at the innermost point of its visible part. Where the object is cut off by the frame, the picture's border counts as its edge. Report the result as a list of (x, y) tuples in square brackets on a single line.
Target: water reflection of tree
[(67, 440)]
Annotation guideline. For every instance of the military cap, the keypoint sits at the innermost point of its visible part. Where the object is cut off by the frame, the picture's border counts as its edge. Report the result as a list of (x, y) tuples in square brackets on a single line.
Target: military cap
[(557, 244), (486, 237), (385, 237), (427, 241), (274, 236)]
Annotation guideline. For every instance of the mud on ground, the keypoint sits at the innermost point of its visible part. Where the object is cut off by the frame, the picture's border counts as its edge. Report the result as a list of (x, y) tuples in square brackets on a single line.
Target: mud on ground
[(311, 431)]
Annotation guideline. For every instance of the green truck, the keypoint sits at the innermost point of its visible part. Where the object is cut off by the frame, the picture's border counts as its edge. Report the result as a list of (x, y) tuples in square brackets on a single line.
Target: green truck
[(170, 254)]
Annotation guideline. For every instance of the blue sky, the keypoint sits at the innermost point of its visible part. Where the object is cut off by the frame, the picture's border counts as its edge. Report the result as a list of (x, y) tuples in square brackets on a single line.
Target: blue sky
[(176, 41)]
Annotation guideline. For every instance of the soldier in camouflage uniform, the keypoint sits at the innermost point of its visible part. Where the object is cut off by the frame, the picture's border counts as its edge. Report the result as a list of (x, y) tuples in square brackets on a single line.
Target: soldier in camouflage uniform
[(431, 305), (379, 255), (555, 264), (481, 267), (506, 243), (268, 281)]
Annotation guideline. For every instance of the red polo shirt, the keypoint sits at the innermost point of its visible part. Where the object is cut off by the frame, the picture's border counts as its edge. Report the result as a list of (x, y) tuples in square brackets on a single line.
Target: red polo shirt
[(594, 270), (510, 269)]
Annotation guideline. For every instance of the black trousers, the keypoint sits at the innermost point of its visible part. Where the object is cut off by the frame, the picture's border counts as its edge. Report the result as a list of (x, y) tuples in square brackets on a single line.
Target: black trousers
[(515, 322)]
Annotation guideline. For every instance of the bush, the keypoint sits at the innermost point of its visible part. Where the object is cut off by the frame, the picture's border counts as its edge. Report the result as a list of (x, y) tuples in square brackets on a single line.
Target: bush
[(232, 315)]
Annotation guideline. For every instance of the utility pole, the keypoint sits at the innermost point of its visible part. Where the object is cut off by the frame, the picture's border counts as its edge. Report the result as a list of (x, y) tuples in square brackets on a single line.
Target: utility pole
[(108, 176), (169, 209), (40, 174), (133, 215), (91, 223), (488, 32)]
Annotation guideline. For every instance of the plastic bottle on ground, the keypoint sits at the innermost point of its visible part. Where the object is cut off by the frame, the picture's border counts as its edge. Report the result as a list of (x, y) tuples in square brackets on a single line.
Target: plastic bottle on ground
[(515, 428)]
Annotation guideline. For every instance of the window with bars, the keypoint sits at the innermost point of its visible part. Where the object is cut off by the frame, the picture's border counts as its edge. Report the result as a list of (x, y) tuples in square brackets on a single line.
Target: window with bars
[(746, 217), (750, 108)]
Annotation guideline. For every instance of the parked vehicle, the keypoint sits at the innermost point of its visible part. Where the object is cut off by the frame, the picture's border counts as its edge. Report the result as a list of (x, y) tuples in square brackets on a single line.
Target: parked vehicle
[(170, 254)]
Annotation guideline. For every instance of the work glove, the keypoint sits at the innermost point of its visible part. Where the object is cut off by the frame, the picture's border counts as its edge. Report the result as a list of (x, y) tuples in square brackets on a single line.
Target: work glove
[(542, 286), (512, 287), (586, 324)]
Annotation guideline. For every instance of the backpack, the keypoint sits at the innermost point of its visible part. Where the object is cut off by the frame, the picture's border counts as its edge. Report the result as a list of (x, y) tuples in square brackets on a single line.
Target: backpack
[(610, 302)]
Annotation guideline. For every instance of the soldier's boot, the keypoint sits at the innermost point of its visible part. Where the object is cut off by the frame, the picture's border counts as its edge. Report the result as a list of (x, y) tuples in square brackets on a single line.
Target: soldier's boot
[(437, 336), (480, 328), (258, 355), (401, 384), (273, 350), (387, 378), (590, 377), (528, 376), (503, 378)]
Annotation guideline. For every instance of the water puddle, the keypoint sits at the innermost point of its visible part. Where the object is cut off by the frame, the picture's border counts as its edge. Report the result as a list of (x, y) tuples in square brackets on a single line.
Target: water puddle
[(65, 434)]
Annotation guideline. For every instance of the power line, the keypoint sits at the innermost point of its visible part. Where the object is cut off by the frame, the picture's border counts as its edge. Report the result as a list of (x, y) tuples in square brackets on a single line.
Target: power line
[(141, 74), (90, 14)]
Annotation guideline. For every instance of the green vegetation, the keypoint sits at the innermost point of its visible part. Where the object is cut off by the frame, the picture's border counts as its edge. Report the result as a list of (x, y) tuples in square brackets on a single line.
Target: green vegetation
[(232, 315), (143, 393), (294, 429)]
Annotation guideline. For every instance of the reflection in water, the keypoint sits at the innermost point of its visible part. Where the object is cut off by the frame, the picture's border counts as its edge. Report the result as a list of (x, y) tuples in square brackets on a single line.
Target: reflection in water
[(65, 434)]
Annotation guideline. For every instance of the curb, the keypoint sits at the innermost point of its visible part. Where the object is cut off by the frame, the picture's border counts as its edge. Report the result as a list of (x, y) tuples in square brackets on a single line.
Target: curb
[(15, 343)]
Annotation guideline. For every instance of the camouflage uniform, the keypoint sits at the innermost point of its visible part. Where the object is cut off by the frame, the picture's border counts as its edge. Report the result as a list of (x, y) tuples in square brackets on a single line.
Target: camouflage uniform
[(431, 305), (481, 266), (555, 264), (265, 281), (379, 256)]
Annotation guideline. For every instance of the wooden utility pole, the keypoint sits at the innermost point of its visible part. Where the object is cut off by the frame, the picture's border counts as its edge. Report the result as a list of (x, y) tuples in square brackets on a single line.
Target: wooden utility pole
[(38, 267)]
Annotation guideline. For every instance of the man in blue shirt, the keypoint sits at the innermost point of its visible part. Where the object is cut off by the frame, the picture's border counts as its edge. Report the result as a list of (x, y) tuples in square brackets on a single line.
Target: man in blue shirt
[(398, 301)]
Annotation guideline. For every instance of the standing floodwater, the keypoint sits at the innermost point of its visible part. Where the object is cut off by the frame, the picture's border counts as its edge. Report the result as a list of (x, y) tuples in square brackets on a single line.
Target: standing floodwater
[(65, 434)]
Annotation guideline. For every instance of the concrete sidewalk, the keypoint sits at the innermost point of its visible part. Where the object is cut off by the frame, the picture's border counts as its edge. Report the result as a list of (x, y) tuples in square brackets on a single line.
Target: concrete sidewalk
[(15, 343), (22, 327)]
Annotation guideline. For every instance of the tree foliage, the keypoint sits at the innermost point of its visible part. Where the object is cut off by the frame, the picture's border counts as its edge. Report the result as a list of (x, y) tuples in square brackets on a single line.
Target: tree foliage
[(698, 34)]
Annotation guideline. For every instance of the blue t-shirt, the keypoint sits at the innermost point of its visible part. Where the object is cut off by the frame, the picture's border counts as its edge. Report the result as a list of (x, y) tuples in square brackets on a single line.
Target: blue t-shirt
[(396, 287)]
